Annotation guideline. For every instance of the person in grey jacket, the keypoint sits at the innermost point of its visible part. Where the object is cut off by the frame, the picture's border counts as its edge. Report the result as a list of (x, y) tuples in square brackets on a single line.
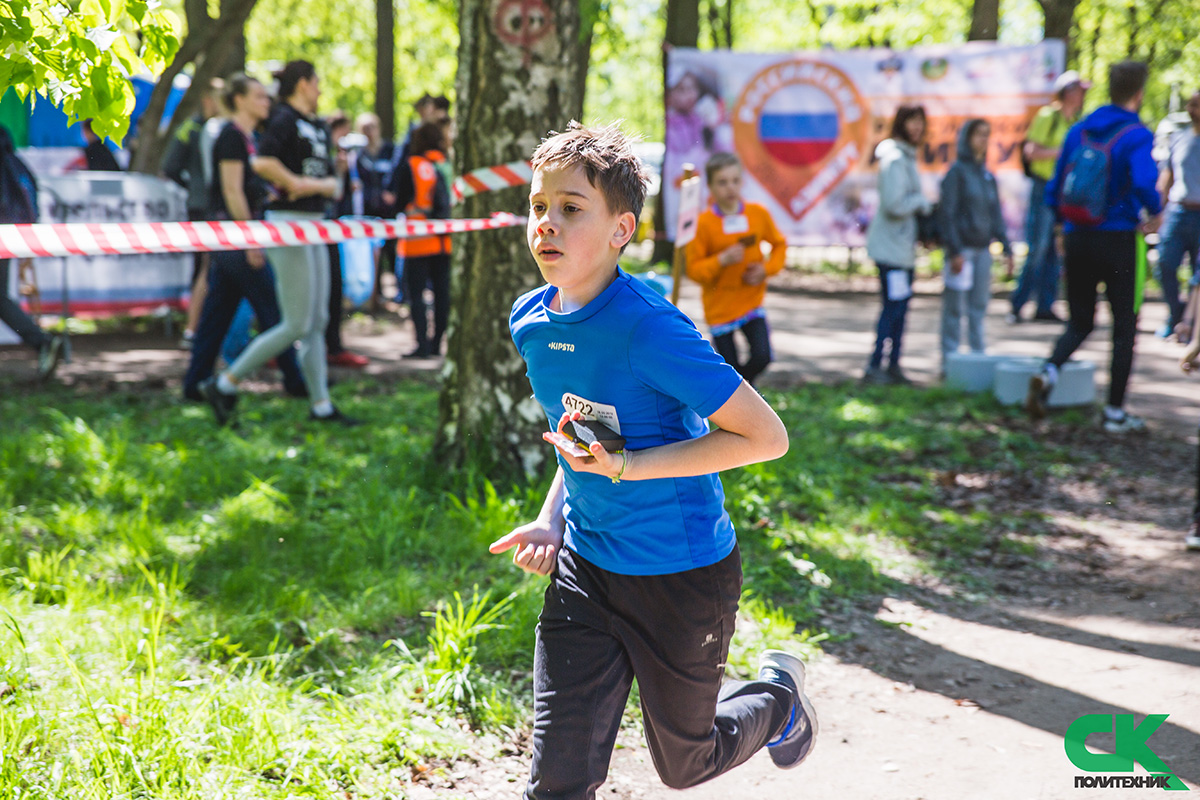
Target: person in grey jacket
[(970, 221), (892, 237)]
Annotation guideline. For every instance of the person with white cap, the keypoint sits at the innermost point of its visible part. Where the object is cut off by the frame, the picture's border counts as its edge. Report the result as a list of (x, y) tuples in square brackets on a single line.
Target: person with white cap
[(1039, 274)]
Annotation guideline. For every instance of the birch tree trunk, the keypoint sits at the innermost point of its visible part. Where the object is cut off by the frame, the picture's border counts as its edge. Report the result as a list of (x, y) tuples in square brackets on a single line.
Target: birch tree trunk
[(519, 77), (985, 20), (1059, 21)]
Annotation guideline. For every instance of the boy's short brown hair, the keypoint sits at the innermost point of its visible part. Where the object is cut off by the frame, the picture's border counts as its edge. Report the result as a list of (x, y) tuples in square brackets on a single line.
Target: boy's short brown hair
[(606, 156), (718, 162)]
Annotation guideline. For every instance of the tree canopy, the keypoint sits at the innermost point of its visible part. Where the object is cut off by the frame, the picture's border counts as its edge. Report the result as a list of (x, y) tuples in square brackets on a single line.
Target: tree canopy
[(83, 53)]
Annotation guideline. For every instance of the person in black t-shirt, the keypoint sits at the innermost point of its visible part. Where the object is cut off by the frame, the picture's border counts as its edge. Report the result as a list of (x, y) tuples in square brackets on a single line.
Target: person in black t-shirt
[(294, 156), (238, 193)]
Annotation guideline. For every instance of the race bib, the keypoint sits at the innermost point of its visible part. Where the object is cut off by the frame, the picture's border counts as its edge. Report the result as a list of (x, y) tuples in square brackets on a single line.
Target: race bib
[(735, 223), (592, 410)]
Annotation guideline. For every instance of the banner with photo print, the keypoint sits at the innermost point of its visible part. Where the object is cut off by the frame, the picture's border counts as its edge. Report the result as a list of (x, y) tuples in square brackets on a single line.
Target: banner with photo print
[(805, 125)]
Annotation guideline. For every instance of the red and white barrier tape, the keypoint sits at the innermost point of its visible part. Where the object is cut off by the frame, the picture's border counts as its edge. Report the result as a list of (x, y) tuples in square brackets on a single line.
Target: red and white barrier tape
[(129, 238), (487, 179)]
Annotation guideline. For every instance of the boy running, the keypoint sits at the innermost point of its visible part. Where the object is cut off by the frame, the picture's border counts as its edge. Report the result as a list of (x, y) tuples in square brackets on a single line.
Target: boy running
[(645, 571)]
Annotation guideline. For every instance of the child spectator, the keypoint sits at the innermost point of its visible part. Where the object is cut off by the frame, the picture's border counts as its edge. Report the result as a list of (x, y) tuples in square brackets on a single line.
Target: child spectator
[(644, 565), (726, 260), (421, 190), (892, 237), (971, 220)]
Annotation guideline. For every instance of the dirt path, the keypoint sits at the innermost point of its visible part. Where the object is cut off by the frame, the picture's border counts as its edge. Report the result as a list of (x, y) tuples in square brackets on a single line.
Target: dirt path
[(931, 696)]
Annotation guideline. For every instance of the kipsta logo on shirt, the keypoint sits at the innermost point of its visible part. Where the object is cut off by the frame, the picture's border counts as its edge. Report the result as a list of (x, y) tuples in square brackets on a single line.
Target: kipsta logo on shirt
[(799, 126)]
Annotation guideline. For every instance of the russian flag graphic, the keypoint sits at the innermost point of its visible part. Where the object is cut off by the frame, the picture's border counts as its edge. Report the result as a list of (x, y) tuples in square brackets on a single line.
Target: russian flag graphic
[(799, 125)]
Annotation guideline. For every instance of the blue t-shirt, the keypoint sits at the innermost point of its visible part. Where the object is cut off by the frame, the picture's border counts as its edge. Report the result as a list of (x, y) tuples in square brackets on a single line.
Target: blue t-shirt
[(631, 358)]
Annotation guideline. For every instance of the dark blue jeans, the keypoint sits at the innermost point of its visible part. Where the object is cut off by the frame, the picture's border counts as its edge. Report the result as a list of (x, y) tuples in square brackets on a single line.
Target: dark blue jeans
[(1180, 235), (418, 273), (230, 278), (891, 319), (1039, 274)]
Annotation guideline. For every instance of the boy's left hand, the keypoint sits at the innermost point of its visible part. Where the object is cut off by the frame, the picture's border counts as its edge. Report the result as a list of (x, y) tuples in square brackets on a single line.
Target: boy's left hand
[(754, 274), (600, 462)]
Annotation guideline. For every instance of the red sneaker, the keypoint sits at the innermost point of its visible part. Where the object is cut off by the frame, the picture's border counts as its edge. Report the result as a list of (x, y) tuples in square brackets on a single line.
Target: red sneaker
[(347, 359)]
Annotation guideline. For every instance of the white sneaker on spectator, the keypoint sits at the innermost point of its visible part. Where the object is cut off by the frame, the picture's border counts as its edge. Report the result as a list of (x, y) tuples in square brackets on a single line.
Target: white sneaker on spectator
[(1126, 423), (1192, 540)]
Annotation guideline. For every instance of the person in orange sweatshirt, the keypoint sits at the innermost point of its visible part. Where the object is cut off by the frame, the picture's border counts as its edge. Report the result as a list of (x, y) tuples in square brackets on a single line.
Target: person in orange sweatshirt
[(726, 259)]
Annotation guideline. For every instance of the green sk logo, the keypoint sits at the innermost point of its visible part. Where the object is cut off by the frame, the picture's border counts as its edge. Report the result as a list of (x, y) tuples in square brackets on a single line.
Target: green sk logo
[(1131, 746)]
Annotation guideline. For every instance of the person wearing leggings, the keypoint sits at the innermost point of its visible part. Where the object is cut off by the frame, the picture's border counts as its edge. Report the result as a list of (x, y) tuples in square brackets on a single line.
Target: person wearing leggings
[(294, 156)]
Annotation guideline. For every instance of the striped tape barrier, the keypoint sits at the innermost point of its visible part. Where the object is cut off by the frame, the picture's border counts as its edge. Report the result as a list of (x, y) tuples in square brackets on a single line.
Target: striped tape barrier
[(487, 179), (132, 238)]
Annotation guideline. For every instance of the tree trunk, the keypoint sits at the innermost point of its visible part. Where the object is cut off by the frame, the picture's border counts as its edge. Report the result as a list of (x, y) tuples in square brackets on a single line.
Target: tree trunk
[(985, 20), (518, 79), (385, 67), (683, 30), (1059, 20), (208, 46)]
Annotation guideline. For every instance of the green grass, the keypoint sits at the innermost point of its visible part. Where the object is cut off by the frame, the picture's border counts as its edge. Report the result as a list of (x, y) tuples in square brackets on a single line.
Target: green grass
[(186, 612)]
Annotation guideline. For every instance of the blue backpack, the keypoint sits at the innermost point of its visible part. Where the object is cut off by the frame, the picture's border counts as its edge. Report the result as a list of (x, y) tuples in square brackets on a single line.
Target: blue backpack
[(1086, 180)]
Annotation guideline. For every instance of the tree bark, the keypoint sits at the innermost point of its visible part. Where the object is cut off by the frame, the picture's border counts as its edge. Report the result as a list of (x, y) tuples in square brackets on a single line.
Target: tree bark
[(208, 46), (683, 30), (1059, 20), (518, 79), (385, 67), (985, 20)]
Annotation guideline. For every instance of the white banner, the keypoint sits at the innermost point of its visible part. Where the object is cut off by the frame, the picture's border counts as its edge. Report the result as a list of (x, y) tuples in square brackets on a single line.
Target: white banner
[(112, 284), (806, 124)]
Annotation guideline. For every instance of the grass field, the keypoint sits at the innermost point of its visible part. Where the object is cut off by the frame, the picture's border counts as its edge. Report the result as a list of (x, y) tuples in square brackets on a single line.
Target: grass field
[(290, 611)]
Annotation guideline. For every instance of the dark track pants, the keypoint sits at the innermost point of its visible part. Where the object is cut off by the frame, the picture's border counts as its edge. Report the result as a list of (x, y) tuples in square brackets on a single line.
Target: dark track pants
[(758, 337), (599, 630), (1094, 257)]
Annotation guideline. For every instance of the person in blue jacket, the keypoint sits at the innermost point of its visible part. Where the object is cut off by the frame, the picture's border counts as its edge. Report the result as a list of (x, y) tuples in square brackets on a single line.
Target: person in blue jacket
[(1106, 252)]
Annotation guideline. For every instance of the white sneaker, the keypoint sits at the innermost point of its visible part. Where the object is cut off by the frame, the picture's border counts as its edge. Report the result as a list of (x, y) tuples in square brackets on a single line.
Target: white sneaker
[(1192, 540), (1128, 423)]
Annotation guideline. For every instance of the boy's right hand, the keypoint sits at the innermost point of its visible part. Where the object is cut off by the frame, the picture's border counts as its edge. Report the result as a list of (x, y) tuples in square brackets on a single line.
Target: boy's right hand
[(732, 255), (537, 546)]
